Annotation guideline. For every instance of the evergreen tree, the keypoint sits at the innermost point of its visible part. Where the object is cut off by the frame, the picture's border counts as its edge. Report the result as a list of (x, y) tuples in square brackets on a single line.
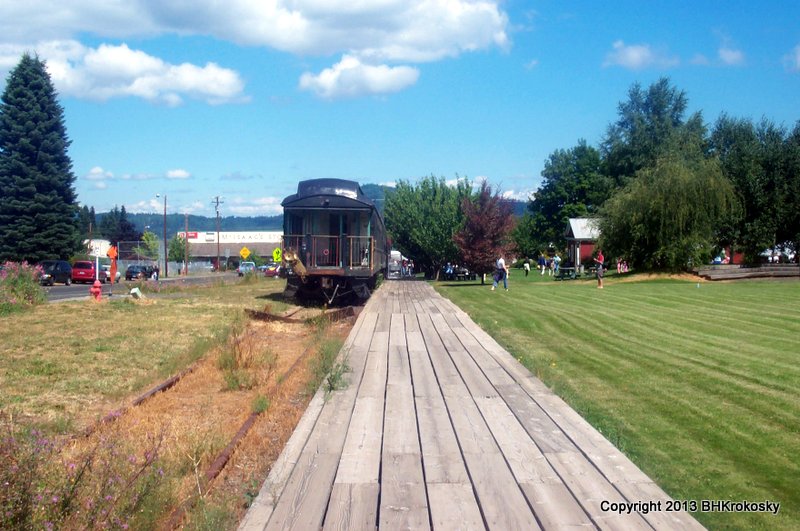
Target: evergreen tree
[(38, 207)]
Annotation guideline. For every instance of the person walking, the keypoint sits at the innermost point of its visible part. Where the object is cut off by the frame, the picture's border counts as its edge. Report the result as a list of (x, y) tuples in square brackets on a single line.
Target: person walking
[(527, 266), (600, 264), (500, 273), (542, 263)]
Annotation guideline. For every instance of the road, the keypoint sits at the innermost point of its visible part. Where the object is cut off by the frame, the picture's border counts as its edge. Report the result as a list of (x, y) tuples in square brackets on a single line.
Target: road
[(60, 292)]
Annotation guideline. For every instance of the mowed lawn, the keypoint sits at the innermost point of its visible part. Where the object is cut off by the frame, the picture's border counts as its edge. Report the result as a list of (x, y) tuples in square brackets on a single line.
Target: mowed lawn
[(700, 386)]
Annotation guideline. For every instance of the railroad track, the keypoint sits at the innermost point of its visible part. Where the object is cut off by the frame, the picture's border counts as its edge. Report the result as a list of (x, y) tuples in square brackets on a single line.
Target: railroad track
[(218, 464)]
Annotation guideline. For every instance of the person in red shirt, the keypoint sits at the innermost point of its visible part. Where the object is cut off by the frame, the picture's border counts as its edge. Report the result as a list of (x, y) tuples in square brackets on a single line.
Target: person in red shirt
[(600, 265)]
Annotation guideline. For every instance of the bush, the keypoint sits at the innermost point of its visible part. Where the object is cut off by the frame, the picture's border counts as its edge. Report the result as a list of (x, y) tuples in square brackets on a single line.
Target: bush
[(19, 286)]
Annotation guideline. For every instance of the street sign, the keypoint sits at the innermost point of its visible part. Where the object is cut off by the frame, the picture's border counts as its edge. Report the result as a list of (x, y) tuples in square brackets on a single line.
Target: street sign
[(244, 253), (276, 254)]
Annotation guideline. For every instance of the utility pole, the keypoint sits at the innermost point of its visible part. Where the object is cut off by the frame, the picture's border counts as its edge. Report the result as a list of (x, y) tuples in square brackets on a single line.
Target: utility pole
[(186, 247), (216, 206)]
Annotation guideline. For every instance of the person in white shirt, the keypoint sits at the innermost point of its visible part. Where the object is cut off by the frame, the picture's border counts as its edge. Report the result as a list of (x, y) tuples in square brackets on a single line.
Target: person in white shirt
[(500, 272)]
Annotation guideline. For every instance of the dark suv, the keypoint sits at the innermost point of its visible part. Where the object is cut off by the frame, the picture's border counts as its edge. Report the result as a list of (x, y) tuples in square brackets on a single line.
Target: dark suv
[(139, 272), (55, 271)]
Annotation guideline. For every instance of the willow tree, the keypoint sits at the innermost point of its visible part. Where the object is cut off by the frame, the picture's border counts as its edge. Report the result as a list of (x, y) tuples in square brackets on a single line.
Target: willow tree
[(670, 215), (38, 204)]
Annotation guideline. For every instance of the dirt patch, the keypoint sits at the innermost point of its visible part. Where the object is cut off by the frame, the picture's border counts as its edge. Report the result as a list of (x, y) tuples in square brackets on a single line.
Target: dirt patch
[(644, 277), (200, 415)]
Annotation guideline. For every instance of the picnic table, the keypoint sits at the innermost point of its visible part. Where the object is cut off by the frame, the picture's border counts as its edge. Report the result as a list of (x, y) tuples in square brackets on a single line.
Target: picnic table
[(566, 273)]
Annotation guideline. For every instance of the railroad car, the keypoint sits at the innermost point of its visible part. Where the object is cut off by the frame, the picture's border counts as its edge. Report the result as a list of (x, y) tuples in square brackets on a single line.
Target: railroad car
[(334, 242)]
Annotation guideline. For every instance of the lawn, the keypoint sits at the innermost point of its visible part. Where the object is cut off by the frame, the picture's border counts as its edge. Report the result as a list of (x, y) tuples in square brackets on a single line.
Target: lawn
[(699, 384), (64, 364)]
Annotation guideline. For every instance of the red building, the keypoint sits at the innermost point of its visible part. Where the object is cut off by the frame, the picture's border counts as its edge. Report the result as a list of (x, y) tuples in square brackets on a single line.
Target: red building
[(582, 235)]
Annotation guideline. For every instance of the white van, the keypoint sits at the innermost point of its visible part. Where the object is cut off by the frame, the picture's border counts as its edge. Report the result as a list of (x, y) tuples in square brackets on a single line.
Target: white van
[(395, 265)]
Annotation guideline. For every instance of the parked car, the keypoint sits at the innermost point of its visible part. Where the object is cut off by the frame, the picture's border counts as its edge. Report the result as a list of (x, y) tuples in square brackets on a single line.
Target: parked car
[(139, 272), (107, 269), (272, 269), (84, 271), (55, 271), (246, 267)]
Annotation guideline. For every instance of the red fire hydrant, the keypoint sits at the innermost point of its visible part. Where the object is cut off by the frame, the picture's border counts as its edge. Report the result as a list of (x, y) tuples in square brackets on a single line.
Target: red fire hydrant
[(96, 290)]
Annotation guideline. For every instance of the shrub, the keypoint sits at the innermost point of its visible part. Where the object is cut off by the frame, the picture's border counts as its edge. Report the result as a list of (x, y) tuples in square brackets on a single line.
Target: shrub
[(19, 286)]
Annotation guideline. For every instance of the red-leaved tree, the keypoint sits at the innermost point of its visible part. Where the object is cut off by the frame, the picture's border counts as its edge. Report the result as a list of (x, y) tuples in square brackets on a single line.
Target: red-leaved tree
[(486, 234)]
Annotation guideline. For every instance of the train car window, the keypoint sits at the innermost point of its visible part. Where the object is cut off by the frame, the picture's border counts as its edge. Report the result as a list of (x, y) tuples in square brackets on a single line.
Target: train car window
[(295, 224)]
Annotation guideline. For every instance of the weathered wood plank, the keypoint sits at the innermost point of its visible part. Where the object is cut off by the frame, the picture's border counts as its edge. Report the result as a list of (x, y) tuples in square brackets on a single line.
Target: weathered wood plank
[(404, 503), (352, 507), (590, 489), (453, 506), (361, 455), (262, 507), (499, 495), (304, 500)]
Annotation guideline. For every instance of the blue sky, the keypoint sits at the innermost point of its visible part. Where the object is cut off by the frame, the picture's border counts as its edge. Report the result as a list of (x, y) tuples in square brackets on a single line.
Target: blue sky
[(244, 98)]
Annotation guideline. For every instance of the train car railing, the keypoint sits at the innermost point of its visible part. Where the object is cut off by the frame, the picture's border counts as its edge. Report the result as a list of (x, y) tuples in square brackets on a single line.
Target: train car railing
[(360, 251), (354, 252), (325, 251)]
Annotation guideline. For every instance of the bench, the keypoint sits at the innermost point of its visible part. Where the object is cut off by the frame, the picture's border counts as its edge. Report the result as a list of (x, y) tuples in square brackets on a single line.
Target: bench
[(566, 273)]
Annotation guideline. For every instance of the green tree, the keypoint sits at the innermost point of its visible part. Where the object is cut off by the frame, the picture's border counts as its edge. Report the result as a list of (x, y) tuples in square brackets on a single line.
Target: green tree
[(790, 229), (526, 244), (422, 219), (668, 217), (650, 125), (755, 159), (38, 206), (150, 246), (573, 186), (486, 232), (177, 249)]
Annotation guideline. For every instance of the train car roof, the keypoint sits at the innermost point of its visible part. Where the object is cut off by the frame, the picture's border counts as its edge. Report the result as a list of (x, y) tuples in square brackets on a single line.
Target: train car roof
[(328, 193)]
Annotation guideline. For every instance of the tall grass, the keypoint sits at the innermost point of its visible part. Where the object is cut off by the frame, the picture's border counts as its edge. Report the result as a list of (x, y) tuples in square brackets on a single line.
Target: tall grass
[(697, 383)]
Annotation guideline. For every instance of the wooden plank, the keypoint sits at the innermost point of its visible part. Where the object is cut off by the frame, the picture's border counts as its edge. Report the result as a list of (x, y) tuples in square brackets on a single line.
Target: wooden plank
[(404, 502), (352, 506), (442, 459), (302, 504), (361, 455), (555, 507), (501, 500), (540, 427), (453, 506), (262, 507), (590, 488)]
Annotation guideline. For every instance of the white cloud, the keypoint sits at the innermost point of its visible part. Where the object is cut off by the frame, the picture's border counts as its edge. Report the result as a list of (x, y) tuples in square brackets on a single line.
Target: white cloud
[(178, 174), (350, 78), (100, 185), (117, 71), (378, 33), (259, 206), (530, 65), (730, 56), (518, 195), (700, 60), (98, 174), (145, 207), (638, 56), (792, 59)]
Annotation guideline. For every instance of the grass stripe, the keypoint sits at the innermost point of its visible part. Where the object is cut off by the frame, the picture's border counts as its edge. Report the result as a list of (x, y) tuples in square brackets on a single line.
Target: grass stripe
[(698, 386)]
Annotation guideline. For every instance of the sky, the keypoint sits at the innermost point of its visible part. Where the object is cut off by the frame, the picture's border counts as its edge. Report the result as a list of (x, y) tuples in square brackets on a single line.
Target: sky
[(242, 99)]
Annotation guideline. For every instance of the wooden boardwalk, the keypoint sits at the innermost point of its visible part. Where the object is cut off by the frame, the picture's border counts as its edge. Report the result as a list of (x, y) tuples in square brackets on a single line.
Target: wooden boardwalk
[(440, 427)]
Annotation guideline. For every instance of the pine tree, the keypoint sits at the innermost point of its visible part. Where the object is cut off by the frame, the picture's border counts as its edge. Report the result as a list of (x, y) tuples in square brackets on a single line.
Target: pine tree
[(38, 207)]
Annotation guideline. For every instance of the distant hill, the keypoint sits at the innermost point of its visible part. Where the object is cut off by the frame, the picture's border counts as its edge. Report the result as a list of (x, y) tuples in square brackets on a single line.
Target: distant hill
[(176, 222)]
